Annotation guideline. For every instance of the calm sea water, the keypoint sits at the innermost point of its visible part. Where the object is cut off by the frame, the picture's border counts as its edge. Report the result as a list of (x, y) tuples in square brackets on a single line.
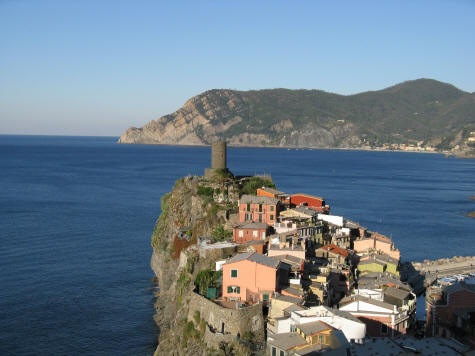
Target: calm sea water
[(76, 215)]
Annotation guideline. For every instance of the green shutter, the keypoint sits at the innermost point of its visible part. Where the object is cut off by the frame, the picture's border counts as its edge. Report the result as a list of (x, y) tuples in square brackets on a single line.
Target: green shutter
[(234, 273), (230, 290), (238, 289), (265, 297)]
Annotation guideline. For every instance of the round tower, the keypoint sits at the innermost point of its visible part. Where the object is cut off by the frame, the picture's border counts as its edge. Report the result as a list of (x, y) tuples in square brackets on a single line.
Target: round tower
[(218, 155)]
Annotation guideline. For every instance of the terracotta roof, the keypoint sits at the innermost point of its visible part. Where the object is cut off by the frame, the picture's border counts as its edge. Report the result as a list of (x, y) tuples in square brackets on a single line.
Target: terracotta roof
[(335, 249), (272, 191), (308, 196)]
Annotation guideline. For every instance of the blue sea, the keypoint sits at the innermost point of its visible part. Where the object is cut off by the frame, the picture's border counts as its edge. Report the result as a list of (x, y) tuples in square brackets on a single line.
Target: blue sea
[(76, 215)]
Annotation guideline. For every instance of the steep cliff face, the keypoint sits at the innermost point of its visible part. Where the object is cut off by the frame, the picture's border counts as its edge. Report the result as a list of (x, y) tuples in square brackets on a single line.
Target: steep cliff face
[(176, 261), (200, 121), (417, 110)]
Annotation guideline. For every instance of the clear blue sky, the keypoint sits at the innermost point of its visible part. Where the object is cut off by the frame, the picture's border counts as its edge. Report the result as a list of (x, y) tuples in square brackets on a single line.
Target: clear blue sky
[(97, 67)]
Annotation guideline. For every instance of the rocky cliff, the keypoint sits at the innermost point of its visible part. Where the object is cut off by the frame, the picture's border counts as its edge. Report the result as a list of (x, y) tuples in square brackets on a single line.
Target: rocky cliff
[(422, 110), (184, 329)]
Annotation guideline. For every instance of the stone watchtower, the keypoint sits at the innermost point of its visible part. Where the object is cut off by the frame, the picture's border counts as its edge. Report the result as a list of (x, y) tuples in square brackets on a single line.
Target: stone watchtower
[(218, 158)]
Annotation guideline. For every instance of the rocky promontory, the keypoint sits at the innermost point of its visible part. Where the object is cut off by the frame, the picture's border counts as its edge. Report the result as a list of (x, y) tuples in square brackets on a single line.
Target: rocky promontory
[(196, 207), (421, 115)]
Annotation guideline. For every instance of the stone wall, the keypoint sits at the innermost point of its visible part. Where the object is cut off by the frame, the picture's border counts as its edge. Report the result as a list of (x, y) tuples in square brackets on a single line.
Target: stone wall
[(234, 321)]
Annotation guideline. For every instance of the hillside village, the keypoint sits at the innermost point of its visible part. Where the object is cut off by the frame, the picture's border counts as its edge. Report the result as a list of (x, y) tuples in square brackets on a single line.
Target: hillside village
[(290, 278)]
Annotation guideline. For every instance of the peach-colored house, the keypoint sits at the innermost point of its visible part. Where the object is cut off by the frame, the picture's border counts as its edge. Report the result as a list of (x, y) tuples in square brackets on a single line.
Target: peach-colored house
[(258, 209), (252, 277), (377, 242)]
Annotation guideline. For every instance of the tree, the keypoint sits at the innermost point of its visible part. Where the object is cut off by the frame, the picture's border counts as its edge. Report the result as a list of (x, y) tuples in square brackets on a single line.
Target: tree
[(206, 279), (219, 233)]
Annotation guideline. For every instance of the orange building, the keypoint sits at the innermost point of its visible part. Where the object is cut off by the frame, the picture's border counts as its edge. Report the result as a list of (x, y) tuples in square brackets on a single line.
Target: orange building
[(317, 203), (273, 193), (258, 209), (249, 232), (252, 277)]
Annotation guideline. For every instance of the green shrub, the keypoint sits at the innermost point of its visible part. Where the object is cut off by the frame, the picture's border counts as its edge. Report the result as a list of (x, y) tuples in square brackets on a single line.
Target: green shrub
[(220, 234), (253, 183), (206, 279), (205, 191)]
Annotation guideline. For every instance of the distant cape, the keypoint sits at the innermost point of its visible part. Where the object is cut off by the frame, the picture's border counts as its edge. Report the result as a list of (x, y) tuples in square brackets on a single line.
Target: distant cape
[(423, 111)]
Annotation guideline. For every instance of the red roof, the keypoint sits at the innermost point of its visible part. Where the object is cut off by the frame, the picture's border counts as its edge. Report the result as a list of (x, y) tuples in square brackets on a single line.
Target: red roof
[(335, 249), (380, 237)]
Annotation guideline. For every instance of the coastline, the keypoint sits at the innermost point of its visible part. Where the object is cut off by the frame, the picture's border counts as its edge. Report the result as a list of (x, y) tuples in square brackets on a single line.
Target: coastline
[(362, 149)]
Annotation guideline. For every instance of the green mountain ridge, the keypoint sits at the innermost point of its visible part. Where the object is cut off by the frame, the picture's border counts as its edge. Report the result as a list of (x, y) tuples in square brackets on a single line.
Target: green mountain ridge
[(426, 110)]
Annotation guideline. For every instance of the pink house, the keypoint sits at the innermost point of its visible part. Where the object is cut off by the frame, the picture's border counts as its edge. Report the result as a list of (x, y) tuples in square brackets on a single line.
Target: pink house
[(258, 209), (377, 242), (252, 277), (249, 232)]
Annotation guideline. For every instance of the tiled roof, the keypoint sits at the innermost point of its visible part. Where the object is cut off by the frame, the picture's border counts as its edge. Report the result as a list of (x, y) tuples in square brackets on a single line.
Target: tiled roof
[(239, 257), (380, 257), (306, 210), (313, 327), (353, 298), (264, 260), (294, 291), (335, 249), (287, 298), (251, 225), (308, 196), (397, 293), (289, 258), (277, 247), (257, 258), (272, 191), (252, 199), (293, 307), (371, 261), (286, 341)]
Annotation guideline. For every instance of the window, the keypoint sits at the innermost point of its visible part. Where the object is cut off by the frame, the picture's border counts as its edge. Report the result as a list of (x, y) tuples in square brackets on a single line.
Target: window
[(274, 351), (260, 217), (254, 233), (248, 207), (265, 297), (272, 217), (260, 208), (234, 273), (272, 208), (263, 235), (384, 329), (293, 328), (241, 233), (234, 289), (281, 353)]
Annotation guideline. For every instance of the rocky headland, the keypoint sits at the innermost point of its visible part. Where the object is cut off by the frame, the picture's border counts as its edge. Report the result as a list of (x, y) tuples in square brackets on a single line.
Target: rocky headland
[(421, 115)]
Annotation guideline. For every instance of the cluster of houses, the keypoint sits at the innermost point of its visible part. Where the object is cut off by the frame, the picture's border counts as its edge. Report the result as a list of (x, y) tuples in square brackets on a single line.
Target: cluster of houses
[(450, 306), (325, 281)]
